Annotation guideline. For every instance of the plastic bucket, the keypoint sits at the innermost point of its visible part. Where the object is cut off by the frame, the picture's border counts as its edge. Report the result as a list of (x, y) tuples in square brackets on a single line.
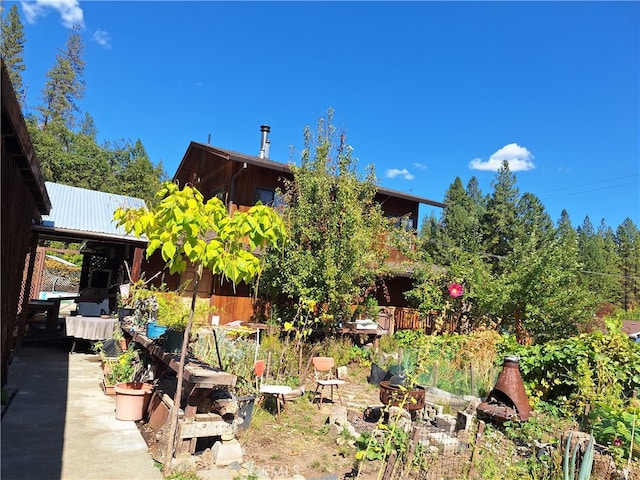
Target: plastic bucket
[(154, 331), (173, 341)]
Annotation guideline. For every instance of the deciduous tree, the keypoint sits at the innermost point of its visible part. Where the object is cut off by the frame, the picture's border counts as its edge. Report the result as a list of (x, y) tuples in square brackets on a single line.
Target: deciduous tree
[(336, 246)]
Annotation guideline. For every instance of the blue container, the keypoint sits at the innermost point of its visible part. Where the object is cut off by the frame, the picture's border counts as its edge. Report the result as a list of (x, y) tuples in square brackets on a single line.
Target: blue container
[(154, 331)]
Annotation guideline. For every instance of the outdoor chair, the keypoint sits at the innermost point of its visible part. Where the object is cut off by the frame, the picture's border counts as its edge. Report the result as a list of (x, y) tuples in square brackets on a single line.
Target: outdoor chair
[(277, 392), (325, 375)]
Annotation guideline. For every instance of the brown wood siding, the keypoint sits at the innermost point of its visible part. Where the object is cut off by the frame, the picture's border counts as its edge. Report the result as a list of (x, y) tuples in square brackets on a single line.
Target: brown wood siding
[(231, 308), (18, 207)]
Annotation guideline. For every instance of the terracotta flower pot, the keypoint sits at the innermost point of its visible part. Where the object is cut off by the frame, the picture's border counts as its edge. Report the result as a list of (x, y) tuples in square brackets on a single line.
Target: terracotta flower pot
[(132, 399)]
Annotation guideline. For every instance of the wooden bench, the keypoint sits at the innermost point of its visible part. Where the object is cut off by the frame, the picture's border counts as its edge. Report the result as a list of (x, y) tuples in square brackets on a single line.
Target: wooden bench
[(199, 380)]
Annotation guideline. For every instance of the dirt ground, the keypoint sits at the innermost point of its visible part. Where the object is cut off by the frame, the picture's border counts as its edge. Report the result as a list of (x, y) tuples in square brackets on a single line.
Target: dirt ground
[(300, 440)]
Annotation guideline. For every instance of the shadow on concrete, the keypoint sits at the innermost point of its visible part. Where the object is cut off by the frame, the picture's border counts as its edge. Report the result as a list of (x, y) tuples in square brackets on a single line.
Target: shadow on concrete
[(33, 424)]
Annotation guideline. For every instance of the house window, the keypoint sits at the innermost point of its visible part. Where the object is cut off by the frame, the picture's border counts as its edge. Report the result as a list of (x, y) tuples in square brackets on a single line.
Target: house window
[(265, 195), (219, 192), (405, 222)]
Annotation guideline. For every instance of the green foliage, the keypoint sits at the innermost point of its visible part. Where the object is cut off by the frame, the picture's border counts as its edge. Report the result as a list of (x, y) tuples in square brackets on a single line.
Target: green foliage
[(538, 429), (237, 352), (334, 253), (344, 351), (174, 309), (190, 475), (581, 372), (569, 466), (12, 49), (65, 83), (124, 368), (185, 228), (618, 428)]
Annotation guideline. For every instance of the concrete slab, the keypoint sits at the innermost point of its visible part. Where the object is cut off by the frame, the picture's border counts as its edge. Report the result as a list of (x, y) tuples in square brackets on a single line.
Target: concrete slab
[(61, 425)]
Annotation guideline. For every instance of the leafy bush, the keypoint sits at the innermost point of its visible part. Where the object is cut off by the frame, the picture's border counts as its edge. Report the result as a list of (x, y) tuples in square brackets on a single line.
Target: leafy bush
[(618, 429), (578, 373)]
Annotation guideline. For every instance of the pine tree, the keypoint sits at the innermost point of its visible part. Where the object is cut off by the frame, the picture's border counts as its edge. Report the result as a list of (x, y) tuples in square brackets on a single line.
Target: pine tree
[(12, 49), (599, 270), (610, 283), (628, 242), (500, 217), (65, 83)]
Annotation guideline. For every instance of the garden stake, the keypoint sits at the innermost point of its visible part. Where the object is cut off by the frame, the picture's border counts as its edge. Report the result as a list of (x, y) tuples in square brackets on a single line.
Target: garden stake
[(633, 433), (215, 339), (391, 461)]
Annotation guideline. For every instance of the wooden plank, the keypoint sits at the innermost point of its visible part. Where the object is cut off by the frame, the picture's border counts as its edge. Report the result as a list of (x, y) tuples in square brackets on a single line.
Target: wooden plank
[(197, 429), (196, 372)]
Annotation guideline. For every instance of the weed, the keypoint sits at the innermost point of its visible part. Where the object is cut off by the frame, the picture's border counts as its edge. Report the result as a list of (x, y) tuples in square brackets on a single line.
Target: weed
[(183, 476)]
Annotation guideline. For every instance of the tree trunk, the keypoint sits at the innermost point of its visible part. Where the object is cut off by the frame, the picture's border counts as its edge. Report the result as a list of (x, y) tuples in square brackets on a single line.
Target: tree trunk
[(173, 440)]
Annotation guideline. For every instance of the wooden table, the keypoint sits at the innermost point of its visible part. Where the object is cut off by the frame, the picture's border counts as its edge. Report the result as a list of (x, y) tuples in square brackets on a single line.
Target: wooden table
[(199, 379), (89, 328)]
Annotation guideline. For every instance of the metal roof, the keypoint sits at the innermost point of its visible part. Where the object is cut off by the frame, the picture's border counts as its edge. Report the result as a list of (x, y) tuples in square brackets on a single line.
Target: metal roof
[(83, 213)]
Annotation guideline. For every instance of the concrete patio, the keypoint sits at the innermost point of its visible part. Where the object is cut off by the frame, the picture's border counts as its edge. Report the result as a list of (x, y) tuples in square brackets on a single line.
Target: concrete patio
[(60, 425)]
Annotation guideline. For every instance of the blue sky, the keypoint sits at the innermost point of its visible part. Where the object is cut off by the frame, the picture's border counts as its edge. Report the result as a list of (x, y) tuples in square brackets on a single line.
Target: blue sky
[(426, 91)]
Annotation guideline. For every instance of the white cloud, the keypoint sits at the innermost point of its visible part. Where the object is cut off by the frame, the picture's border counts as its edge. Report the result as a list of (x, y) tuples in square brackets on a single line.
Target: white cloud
[(419, 166), (69, 10), (394, 172), (519, 158), (102, 38)]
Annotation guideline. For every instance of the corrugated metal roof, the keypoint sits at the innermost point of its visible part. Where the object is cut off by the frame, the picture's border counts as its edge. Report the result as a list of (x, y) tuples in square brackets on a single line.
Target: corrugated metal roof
[(79, 210)]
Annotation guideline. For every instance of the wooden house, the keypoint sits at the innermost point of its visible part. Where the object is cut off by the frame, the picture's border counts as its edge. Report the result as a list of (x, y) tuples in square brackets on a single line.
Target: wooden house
[(24, 202), (241, 180)]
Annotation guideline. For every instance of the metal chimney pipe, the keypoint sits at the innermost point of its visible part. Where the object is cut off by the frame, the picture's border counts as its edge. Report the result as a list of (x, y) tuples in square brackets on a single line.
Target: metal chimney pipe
[(264, 141)]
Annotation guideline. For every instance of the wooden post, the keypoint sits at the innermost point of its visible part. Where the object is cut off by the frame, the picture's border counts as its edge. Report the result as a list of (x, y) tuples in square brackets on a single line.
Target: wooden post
[(473, 380), (388, 471)]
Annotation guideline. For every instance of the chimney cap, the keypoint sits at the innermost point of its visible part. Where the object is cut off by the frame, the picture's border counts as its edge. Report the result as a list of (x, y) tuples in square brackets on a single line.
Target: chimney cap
[(265, 128)]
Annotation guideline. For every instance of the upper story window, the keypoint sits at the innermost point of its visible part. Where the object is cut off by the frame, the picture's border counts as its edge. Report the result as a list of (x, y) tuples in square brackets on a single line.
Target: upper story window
[(265, 195), (269, 197), (405, 222)]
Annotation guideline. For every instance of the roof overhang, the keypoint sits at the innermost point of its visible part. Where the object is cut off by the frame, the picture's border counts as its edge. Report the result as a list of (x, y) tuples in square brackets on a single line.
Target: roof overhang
[(285, 168), (18, 146)]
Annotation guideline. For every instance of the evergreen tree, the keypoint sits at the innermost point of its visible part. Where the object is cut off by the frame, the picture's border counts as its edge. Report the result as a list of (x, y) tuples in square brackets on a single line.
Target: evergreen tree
[(65, 83), (531, 214), (628, 242), (88, 127), (12, 49), (135, 173), (610, 283), (499, 219), (599, 269)]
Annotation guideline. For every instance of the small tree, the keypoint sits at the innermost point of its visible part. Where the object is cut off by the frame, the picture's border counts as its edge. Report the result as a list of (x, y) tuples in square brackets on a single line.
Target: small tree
[(185, 228), (336, 248)]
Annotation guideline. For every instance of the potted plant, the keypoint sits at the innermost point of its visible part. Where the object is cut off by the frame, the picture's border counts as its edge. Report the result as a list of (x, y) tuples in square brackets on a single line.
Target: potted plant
[(185, 228), (174, 313), (120, 368)]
